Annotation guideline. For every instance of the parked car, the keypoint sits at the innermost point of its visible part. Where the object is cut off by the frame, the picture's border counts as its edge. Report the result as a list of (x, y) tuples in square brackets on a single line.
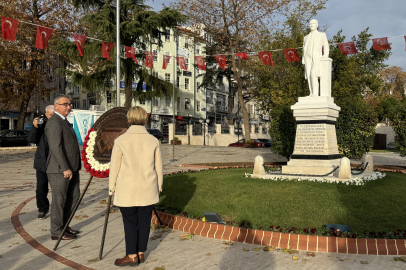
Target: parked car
[(156, 133), (240, 143), (390, 145), (266, 142), (14, 138)]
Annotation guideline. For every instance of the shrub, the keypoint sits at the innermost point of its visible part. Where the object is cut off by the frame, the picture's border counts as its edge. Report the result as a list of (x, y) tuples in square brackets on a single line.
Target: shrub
[(176, 139), (282, 130), (249, 141), (355, 127)]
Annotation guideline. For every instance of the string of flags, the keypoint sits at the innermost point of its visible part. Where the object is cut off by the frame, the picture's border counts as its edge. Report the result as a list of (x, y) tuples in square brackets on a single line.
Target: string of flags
[(9, 32)]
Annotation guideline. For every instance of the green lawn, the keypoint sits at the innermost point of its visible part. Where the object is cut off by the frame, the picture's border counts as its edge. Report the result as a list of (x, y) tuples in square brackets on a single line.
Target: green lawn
[(384, 151), (376, 206)]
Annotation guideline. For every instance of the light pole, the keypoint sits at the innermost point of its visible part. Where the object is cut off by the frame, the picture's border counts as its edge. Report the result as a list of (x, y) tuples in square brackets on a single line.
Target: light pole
[(203, 122), (118, 53)]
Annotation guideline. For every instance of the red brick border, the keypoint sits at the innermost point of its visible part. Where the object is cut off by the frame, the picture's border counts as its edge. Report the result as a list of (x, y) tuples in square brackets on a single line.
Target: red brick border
[(304, 242), (15, 220)]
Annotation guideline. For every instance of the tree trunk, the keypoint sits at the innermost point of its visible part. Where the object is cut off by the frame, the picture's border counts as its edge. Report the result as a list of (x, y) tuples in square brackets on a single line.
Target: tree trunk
[(22, 112), (128, 88), (230, 103)]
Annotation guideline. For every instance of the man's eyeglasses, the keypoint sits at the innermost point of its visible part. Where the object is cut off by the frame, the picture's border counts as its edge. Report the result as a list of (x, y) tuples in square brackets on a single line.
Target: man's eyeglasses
[(66, 104)]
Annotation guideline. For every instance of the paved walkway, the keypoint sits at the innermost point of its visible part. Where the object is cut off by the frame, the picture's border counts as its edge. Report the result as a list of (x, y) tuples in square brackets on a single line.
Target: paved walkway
[(30, 247)]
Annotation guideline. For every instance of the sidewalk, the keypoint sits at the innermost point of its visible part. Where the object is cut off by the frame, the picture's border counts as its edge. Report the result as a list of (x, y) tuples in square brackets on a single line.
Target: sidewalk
[(17, 191)]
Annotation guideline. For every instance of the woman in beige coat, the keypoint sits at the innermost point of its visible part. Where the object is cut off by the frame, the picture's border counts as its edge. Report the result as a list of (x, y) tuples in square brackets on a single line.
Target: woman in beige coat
[(136, 181)]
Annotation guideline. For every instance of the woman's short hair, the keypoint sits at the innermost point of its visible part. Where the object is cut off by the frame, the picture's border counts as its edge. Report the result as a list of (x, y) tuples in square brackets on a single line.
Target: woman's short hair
[(137, 116)]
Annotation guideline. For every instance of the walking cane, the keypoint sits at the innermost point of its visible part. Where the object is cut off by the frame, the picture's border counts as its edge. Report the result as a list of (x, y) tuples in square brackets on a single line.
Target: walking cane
[(73, 213), (105, 228)]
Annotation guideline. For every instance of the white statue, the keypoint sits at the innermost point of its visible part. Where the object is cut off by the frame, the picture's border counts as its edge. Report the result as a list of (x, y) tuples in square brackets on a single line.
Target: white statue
[(315, 48)]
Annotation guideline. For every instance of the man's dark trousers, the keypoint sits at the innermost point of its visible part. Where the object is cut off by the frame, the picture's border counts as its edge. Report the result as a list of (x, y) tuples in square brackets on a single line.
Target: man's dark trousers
[(42, 192), (65, 195)]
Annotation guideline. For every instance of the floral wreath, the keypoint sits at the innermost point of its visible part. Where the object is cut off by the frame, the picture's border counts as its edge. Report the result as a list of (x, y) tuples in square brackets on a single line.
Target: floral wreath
[(92, 166)]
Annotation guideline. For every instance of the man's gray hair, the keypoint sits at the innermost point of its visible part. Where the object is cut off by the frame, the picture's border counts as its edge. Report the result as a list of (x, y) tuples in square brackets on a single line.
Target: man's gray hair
[(50, 108), (56, 100)]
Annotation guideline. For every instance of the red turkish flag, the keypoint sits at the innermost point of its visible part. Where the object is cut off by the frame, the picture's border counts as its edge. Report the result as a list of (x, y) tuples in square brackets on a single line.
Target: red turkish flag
[(80, 42), (200, 62), (348, 48), (291, 55), (9, 28), (106, 48), (243, 56), (130, 53), (381, 43), (221, 59), (181, 62), (43, 35), (266, 58), (149, 59), (167, 58)]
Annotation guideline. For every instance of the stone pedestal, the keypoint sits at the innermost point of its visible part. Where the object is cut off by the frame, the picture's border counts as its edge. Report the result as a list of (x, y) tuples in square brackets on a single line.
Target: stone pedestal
[(316, 149)]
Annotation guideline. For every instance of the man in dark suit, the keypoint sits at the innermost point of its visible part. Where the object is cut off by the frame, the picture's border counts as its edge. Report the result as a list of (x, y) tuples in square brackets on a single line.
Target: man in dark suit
[(38, 137), (63, 165)]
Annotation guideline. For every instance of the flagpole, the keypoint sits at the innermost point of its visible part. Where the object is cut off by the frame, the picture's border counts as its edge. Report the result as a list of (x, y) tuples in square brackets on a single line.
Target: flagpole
[(118, 52)]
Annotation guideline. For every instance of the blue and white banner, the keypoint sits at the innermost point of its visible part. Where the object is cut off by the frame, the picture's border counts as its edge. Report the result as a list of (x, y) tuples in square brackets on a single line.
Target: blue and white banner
[(84, 122)]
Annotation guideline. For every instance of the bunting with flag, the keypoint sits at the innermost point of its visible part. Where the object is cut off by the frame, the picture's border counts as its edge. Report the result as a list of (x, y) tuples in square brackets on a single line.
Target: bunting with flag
[(221, 59), (106, 48), (405, 42), (80, 42), (130, 53), (266, 58), (9, 28), (149, 59), (381, 44), (165, 62), (200, 62), (291, 55), (348, 48), (181, 62), (243, 56), (43, 35)]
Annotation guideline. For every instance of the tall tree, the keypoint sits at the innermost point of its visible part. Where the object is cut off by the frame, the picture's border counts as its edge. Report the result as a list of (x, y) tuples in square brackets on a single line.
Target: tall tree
[(239, 22), (21, 64), (139, 27)]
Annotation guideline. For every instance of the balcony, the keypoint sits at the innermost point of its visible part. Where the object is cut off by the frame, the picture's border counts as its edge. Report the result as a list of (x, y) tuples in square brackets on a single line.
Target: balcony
[(221, 108)]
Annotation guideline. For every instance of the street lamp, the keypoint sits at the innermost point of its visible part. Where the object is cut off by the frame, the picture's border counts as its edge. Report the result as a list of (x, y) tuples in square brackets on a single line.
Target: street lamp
[(203, 122)]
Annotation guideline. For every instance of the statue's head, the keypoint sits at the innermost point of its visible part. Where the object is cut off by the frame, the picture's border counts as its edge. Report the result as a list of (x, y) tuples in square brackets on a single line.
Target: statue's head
[(314, 24)]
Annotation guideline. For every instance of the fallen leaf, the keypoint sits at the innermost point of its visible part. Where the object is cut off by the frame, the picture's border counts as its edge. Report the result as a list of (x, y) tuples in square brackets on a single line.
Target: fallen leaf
[(163, 240), (228, 243), (15, 244), (295, 258), (80, 217), (347, 259), (399, 259), (304, 260), (224, 247), (45, 230), (159, 268), (310, 254), (268, 248), (93, 260), (208, 254), (76, 247), (245, 249), (257, 249), (103, 201), (364, 262), (154, 260)]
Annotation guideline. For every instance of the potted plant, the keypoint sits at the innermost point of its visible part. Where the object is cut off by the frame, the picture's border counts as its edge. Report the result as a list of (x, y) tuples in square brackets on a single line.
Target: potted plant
[(176, 141), (249, 144)]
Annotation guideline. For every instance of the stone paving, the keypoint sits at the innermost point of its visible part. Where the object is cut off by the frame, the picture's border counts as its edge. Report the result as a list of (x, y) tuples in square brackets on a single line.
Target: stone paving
[(31, 247)]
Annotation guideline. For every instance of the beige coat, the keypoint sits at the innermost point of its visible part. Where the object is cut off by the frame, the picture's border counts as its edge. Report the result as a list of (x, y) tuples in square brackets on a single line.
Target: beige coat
[(136, 168)]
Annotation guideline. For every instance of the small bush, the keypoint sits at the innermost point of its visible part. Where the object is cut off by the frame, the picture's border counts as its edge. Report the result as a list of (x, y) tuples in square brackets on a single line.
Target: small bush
[(249, 141), (176, 139), (355, 128)]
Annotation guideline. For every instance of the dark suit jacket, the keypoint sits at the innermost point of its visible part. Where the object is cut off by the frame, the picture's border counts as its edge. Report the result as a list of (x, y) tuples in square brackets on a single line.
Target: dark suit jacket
[(37, 136), (64, 152)]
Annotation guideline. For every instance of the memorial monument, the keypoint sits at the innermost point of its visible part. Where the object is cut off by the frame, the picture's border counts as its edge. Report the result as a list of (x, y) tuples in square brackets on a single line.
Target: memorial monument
[(316, 149)]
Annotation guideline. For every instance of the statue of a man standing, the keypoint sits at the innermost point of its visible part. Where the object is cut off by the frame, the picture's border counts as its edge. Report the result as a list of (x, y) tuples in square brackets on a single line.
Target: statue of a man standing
[(315, 47)]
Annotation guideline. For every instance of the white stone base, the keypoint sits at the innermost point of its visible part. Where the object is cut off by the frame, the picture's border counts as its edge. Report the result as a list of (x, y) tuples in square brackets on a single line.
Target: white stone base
[(331, 178)]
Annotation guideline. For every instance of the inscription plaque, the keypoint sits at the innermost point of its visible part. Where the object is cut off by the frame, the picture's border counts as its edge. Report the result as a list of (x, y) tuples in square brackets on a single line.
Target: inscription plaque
[(310, 138)]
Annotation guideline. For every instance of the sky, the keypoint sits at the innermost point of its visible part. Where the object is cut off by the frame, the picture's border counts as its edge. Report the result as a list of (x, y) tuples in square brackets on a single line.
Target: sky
[(385, 18)]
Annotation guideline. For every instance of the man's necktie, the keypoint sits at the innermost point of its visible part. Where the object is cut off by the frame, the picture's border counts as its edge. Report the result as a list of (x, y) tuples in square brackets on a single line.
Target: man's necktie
[(71, 128)]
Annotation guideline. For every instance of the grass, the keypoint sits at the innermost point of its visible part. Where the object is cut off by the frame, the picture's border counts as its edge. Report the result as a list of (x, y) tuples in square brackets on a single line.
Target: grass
[(376, 206), (384, 151)]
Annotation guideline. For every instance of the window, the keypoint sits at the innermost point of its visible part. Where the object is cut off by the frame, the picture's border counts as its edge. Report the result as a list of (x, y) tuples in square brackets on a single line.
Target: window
[(142, 102), (177, 82), (155, 102), (76, 104), (108, 97), (187, 104), (156, 55), (178, 103), (167, 77), (84, 104), (186, 43), (198, 106), (168, 37), (209, 96), (187, 63), (198, 48), (197, 87), (168, 102), (187, 83)]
